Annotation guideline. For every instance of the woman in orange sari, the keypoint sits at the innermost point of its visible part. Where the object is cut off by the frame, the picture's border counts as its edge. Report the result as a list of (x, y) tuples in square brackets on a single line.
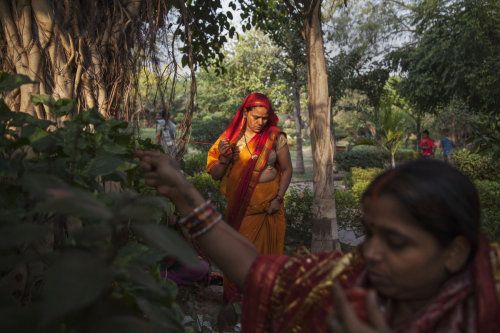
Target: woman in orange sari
[(252, 161)]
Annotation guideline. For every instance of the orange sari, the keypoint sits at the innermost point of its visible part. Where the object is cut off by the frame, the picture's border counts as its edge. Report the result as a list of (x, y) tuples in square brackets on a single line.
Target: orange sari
[(247, 199)]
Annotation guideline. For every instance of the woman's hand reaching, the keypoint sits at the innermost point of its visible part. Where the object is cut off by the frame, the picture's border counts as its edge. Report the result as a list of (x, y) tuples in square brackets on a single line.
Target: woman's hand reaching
[(162, 172), (345, 319)]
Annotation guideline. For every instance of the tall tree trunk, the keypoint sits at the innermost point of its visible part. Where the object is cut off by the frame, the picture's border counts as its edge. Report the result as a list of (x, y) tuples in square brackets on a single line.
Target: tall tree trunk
[(325, 229), (299, 162), (418, 122)]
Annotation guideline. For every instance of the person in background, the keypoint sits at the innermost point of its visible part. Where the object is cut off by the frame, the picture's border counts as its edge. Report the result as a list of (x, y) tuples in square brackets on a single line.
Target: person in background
[(446, 147), (165, 132), (252, 161), (424, 265), (427, 145)]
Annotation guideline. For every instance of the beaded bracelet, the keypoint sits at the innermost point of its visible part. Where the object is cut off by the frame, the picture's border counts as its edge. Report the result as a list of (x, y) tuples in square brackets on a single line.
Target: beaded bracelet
[(201, 219)]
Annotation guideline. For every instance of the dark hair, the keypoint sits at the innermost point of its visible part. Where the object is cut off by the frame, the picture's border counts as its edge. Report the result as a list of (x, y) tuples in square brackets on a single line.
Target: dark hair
[(426, 132), (440, 199), (163, 113)]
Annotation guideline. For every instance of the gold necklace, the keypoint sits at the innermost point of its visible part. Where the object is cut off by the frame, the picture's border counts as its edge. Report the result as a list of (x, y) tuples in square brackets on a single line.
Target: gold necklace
[(254, 156)]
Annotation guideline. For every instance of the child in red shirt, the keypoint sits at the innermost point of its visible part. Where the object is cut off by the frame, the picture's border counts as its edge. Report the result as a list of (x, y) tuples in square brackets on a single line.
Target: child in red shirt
[(427, 145)]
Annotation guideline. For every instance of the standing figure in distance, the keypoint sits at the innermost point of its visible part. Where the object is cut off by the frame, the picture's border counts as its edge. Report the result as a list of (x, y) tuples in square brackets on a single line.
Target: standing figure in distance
[(427, 145), (252, 161), (165, 132), (446, 147)]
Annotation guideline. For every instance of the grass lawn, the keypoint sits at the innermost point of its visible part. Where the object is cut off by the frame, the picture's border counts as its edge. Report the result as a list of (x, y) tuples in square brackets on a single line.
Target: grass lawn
[(148, 132), (308, 163)]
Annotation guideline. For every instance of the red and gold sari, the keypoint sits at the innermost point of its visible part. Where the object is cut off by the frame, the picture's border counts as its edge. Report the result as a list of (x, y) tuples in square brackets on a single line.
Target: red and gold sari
[(247, 199), (293, 294)]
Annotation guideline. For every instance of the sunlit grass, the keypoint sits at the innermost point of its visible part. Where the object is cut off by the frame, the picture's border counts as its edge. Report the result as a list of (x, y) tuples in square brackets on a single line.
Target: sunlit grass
[(148, 132), (308, 163)]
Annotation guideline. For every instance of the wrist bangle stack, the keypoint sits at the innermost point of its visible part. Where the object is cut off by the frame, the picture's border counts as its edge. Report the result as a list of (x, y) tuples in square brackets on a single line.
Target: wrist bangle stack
[(201, 219)]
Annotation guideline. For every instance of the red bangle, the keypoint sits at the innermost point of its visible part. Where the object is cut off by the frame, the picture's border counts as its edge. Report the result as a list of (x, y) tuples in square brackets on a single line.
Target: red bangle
[(279, 197)]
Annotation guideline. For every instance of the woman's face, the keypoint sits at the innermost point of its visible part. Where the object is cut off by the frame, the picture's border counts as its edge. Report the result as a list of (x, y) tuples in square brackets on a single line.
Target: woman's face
[(257, 118), (403, 261)]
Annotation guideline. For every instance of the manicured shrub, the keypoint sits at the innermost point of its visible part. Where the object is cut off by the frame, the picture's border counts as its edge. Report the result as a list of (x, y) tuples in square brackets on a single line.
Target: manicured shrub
[(348, 209), (365, 146), (209, 188), (489, 196), (476, 166), (298, 216), (358, 179), (194, 163), (361, 158), (404, 156)]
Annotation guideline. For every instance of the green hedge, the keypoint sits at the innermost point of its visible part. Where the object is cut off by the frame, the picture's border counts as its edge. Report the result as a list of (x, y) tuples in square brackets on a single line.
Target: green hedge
[(365, 156), (298, 217), (194, 163), (489, 196), (476, 166), (348, 209), (361, 158), (209, 188)]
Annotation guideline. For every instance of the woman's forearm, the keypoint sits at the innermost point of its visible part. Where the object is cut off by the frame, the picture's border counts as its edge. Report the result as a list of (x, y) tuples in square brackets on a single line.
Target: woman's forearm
[(286, 177), (216, 243), (218, 170), (285, 162)]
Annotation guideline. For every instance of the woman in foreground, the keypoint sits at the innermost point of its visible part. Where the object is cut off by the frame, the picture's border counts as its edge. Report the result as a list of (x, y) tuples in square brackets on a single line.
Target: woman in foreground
[(252, 161), (424, 266)]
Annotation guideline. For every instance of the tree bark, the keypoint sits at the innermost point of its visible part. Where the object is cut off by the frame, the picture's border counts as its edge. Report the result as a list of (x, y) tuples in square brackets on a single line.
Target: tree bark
[(299, 161), (418, 122), (70, 52), (325, 229)]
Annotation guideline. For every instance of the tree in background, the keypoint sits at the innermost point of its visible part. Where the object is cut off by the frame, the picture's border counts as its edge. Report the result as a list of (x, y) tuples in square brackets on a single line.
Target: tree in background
[(93, 51), (88, 51), (250, 64), (391, 127), (307, 16), (455, 55)]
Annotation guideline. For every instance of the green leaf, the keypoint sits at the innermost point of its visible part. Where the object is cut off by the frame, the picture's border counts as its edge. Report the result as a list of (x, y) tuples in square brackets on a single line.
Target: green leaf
[(73, 281), (13, 81), (124, 324), (146, 209), (103, 165), (160, 317), (137, 254), (43, 99), (62, 199), (63, 107), (142, 278), (12, 235), (169, 242), (38, 183), (184, 60), (115, 148), (92, 233)]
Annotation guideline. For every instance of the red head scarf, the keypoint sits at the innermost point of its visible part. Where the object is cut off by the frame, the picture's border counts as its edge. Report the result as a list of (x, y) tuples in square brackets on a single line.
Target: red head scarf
[(238, 123)]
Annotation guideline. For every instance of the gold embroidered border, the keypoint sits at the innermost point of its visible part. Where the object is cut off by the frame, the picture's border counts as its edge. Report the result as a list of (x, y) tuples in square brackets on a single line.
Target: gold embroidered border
[(285, 283)]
